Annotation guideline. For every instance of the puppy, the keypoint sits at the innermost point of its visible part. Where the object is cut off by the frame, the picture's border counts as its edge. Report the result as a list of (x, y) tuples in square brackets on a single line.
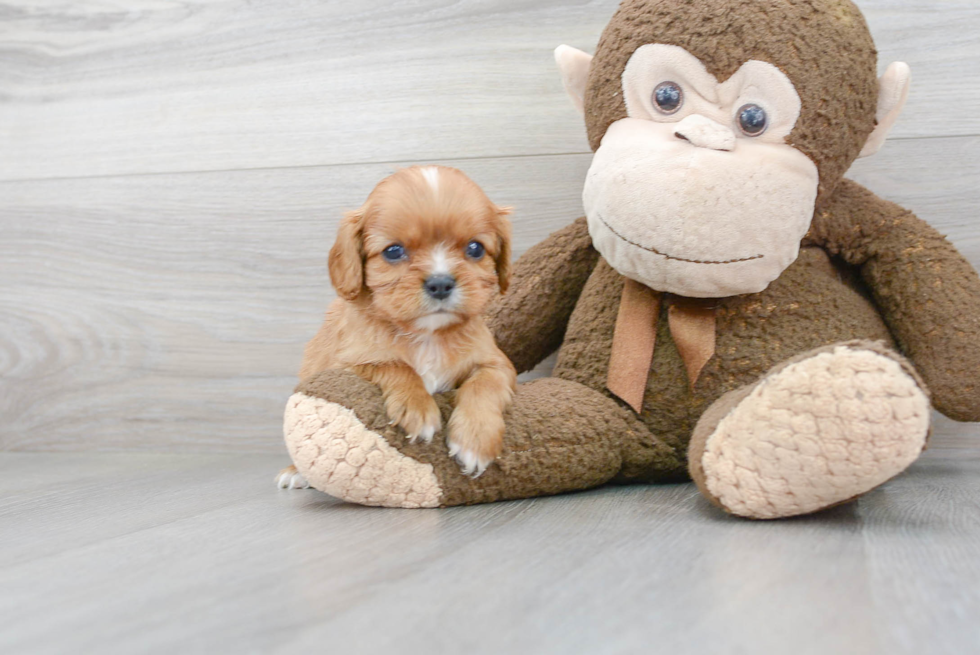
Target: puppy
[(414, 268)]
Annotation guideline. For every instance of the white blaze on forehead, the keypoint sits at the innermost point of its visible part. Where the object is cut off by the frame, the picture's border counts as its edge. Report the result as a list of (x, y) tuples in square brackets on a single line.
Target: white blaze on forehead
[(440, 261), (431, 175)]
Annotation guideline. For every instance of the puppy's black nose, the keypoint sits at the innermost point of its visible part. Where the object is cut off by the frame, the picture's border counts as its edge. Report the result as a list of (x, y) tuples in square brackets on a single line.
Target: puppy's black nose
[(440, 286)]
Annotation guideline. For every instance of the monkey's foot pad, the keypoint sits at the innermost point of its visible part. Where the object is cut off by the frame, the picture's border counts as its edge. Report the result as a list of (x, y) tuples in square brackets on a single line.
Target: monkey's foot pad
[(817, 432), (338, 455)]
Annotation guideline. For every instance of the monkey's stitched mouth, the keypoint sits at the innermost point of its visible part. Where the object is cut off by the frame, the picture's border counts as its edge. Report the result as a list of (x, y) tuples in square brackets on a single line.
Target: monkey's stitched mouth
[(666, 256)]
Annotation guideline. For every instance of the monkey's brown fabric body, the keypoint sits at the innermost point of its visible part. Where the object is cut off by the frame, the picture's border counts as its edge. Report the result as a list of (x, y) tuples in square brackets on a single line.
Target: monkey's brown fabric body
[(570, 433), (875, 292)]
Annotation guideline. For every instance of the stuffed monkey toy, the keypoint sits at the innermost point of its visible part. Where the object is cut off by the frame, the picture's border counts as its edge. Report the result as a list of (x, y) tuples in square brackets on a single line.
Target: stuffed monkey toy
[(730, 309)]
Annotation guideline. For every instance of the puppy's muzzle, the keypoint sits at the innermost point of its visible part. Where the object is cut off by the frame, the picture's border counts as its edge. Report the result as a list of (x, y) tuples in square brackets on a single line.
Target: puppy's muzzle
[(440, 286)]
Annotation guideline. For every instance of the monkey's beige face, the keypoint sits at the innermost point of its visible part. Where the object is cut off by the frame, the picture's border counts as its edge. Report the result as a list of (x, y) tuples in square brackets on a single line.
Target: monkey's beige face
[(697, 192)]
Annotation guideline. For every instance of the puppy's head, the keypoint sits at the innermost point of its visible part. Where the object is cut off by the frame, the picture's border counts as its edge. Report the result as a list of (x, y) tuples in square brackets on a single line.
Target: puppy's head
[(427, 249)]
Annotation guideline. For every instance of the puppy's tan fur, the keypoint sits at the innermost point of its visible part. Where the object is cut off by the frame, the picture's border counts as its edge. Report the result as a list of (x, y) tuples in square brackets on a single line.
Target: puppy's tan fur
[(385, 328)]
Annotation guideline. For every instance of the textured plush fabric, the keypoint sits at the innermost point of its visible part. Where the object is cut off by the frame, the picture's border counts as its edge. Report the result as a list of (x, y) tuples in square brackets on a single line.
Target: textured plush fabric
[(560, 437), (814, 303), (704, 117), (333, 450), (823, 46), (893, 92), (867, 270), (574, 65), (529, 321), (569, 433), (695, 221), (818, 431), (927, 292), (563, 436)]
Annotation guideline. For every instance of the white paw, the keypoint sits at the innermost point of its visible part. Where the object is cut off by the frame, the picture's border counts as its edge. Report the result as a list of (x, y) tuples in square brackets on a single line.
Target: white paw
[(290, 478), (425, 434), (470, 462)]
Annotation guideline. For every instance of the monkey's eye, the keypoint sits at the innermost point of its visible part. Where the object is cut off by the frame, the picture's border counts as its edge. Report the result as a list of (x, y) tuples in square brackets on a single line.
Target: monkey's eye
[(394, 253), (668, 97), (475, 250), (752, 120)]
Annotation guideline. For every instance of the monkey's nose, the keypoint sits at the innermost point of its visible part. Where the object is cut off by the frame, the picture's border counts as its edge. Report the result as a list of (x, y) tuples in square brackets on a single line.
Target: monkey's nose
[(703, 132), (440, 286)]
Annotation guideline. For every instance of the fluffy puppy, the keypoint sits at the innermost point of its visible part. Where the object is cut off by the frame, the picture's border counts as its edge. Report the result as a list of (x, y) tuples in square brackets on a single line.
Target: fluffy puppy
[(414, 268)]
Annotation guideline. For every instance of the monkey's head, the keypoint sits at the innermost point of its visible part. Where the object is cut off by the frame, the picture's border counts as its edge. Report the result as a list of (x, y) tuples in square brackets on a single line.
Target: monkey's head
[(718, 127)]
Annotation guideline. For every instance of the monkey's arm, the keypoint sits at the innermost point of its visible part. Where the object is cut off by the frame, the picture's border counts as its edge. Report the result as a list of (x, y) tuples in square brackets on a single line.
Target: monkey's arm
[(928, 293), (529, 321)]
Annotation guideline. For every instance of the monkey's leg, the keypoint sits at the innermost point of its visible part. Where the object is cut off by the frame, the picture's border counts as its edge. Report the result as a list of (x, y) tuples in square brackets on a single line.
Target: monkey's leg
[(816, 431), (560, 436)]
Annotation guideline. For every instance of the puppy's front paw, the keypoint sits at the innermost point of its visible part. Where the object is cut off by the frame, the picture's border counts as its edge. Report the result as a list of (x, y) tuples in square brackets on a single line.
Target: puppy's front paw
[(418, 415), (475, 440), (290, 478)]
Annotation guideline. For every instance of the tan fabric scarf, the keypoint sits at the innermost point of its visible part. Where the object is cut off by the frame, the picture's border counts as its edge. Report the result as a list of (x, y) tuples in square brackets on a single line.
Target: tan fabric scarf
[(692, 326)]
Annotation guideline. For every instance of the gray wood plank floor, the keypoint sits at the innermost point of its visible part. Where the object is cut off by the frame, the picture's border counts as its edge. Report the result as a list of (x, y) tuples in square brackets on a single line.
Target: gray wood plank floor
[(153, 553)]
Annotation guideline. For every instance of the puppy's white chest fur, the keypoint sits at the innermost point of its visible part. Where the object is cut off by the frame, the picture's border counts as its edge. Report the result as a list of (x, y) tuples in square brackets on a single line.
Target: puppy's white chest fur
[(430, 363)]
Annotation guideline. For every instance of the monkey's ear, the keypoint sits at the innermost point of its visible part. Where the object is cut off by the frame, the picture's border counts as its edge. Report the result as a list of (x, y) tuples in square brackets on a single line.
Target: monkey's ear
[(893, 91), (346, 260), (574, 65), (502, 259)]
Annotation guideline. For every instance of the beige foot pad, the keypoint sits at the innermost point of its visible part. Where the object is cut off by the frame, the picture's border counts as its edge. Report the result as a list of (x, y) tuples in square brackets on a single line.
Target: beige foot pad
[(339, 456), (820, 431)]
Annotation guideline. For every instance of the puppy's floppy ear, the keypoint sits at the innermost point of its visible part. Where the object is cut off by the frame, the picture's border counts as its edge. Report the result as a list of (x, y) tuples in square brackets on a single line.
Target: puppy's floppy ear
[(503, 229), (346, 261)]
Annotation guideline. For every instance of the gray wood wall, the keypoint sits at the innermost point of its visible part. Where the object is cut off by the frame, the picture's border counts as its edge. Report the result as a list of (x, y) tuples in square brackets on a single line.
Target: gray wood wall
[(171, 174)]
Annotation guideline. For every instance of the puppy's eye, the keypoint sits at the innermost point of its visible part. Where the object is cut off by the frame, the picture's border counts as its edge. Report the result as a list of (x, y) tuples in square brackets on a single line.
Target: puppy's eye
[(394, 253), (668, 97), (475, 250), (752, 120)]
